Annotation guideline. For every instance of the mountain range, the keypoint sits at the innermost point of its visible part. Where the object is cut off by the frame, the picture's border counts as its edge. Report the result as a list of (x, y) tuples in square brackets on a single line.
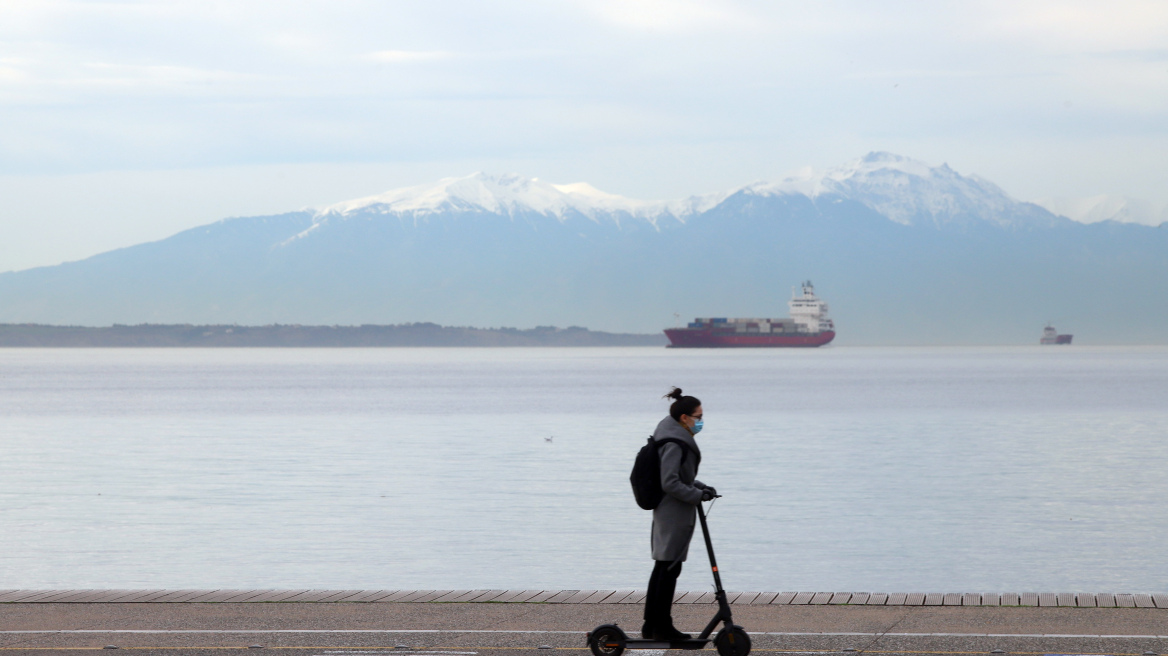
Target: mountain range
[(905, 253)]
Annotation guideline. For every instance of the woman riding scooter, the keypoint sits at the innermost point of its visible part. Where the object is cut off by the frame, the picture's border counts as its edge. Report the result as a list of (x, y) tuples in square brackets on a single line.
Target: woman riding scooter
[(674, 517)]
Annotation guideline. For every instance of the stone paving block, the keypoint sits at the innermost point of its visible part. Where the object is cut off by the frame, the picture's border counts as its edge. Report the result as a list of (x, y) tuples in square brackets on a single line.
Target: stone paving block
[(394, 595), (732, 597), (12, 595), (1161, 600), (899, 599), (934, 599), (1047, 599), (60, 596), (802, 598), (543, 596), (242, 596), (291, 595), (528, 595), (334, 595), (915, 599), (214, 597), (1144, 601), (427, 598), (951, 599), (452, 595), (688, 597), (1028, 599), (347, 596), (971, 599), (131, 595), (171, 597), (619, 596), (564, 595), (779, 598), (260, 596), (580, 595), (110, 596), (35, 596), (821, 598), (877, 599), (1105, 600), (52, 596), (366, 596), (598, 597), (469, 595), (991, 599), (840, 598), (414, 596), (707, 598), (1125, 601), (637, 597), (1011, 599), (1065, 599), (477, 596), (76, 596), (1085, 600), (859, 598)]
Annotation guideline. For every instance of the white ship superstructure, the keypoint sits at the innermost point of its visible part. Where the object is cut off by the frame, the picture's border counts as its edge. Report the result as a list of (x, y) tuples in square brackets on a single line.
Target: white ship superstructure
[(809, 312)]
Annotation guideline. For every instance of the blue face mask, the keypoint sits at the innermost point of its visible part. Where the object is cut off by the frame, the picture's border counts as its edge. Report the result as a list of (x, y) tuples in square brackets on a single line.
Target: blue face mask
[(697, 427)]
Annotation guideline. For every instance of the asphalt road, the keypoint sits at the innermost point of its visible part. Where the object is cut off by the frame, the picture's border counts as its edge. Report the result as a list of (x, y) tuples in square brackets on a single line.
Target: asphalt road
[(491, 629)]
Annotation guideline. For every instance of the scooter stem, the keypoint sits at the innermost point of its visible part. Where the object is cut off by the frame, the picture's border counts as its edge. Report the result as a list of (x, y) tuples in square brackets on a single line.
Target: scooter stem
[(710, 549), (723, 614)]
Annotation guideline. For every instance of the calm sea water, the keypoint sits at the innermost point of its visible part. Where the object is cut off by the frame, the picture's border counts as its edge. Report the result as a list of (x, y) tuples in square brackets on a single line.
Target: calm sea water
[(946, 469)]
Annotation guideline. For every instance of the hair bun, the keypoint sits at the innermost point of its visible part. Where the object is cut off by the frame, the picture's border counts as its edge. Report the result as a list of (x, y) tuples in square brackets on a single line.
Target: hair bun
[(675, 394)]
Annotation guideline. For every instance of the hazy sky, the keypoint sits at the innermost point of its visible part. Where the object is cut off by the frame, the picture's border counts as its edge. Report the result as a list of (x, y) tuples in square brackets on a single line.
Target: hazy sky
[(126, 121)]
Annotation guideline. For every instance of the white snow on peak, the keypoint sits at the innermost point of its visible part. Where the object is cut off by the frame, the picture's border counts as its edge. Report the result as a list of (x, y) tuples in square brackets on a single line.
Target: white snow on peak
[(904, 190), (508, 194), (1107, 208), (908, 191)]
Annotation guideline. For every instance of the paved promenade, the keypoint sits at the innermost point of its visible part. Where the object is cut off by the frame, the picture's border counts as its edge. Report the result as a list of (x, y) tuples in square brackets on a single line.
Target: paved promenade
[(331, 627), (1064, 599)]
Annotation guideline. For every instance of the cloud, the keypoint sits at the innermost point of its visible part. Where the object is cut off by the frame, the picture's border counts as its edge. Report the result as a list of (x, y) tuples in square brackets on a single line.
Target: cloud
[(407, 56), (670, 15)]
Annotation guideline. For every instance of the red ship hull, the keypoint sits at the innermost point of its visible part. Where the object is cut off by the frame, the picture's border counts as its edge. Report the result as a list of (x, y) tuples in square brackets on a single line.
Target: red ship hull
[(697, 338)]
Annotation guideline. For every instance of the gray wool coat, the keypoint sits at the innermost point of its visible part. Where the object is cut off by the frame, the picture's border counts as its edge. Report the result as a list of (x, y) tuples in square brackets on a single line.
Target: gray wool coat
[(674, 518)]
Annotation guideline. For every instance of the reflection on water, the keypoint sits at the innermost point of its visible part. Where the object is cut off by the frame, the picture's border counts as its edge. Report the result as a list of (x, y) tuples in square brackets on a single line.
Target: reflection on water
[(949, 469)]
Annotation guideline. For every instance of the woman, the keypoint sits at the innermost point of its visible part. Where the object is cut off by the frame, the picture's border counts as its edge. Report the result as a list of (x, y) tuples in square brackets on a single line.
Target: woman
[(674, 517)]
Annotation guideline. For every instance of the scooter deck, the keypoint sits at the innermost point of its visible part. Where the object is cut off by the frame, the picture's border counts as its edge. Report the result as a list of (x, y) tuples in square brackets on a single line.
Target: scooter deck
[(694, 643)]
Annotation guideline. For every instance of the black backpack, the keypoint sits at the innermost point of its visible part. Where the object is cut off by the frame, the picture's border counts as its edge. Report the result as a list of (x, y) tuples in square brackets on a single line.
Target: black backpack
[(646, 476)]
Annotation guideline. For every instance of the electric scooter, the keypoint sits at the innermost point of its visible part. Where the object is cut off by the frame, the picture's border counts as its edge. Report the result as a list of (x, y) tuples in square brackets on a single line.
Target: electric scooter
[(731, 640)]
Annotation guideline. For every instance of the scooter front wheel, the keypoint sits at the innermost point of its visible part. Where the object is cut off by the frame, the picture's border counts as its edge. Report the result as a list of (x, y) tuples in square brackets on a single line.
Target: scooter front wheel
[(607, 640), (732, 641)]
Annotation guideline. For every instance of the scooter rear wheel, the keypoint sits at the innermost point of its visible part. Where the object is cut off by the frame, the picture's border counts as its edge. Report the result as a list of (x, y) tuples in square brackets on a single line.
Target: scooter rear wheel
[(607, 640), (732, 641)]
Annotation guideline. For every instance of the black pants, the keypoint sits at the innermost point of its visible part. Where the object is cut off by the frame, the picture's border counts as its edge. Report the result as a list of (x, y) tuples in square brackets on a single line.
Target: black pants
[(659, 598)]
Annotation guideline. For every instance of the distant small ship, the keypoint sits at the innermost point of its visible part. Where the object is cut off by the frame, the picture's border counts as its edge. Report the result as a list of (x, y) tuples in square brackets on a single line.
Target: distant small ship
[(807, 327), (1051, 336)]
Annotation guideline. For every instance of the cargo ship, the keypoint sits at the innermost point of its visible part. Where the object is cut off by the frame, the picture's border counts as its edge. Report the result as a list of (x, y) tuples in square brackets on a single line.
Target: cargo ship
[(1051, 336), (808, 326)]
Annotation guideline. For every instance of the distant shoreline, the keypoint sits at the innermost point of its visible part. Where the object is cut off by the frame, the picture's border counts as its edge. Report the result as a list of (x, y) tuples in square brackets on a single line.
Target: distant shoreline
[(300, 336)]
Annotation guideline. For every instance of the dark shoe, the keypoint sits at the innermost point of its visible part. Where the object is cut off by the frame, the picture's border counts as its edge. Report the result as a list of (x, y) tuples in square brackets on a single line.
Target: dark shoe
[(647, 631), (670, 634)]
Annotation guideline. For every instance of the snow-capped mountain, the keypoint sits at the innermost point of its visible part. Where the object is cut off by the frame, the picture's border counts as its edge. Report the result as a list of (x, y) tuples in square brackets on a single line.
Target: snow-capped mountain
[(1107, 208), (910, 192), (906, 252), (903, 190), (507, 195)]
